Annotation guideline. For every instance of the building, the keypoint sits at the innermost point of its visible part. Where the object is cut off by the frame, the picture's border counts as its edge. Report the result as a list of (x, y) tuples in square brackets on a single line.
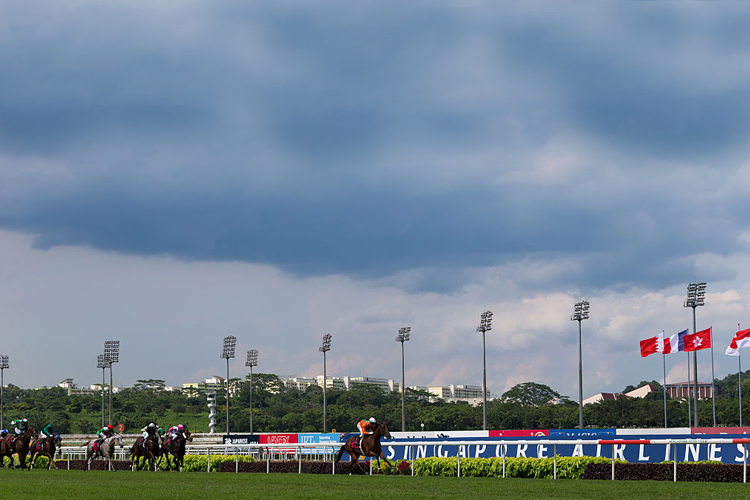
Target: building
[(683, 390), (453, 393), (341, 383), (640, 392)]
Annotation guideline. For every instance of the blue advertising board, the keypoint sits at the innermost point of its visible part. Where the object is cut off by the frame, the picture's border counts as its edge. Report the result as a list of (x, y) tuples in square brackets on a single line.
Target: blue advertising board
[(317, 438), (633, 453)]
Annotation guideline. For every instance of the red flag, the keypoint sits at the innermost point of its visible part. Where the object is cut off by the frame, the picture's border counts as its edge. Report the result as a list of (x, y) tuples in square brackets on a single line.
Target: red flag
[(650, 346), (698, 341), (741, 339)]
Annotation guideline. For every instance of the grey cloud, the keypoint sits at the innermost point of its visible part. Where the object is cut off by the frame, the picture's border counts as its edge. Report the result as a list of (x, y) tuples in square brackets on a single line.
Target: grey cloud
[(253, 132)]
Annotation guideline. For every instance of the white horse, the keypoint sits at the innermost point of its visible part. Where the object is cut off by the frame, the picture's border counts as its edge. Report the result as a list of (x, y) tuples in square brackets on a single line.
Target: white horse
[(105, 450)]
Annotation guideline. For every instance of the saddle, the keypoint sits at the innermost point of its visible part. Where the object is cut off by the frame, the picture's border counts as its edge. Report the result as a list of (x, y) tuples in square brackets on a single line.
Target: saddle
[(356, 443), (40, 446)]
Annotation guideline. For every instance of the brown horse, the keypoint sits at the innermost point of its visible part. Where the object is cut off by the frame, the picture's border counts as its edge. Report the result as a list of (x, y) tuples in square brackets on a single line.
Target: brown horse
[(20, 445), (176, 447), (146, 449), (46, 447), (369, 447)]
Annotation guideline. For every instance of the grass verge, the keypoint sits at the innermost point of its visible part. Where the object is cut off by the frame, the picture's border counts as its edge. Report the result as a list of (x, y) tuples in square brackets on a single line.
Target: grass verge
[(96, 485)]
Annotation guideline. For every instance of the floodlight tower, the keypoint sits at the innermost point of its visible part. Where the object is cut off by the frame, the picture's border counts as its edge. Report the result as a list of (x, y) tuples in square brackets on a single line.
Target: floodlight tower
[(403, 336), (100, 363), (324, 348), (230, 344), (111, 356), (3, 366), (252, 360), (485, 325), (696, 295), (580, 312)]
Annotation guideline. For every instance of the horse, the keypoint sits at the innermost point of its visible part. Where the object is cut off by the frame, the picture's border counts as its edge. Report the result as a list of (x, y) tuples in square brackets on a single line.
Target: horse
[(46, 447), (148, 449), (20, 445), (176, 447), (369, 447), (103, 450)]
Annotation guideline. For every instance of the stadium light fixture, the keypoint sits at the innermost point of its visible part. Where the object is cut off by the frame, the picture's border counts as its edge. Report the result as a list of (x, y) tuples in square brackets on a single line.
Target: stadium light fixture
[(485, 325), (111, 356), (324, 348), (252, 360), (403, 336), (580, 313), (230, 345), (696, 297)]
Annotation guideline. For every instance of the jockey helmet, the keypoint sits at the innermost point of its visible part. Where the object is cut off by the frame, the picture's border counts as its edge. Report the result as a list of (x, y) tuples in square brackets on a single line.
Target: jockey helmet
[(110, 427), (152, 425), (372, 420), (180, 427)]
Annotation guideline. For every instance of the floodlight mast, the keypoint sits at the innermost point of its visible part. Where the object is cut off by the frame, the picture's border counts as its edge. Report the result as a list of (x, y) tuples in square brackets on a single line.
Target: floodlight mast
[(4, 365), (111, 356), (324, 348), (485, 325), (696, 297), (230, 344), (252, 360), (403, 336), (580, 313), (100, 363)]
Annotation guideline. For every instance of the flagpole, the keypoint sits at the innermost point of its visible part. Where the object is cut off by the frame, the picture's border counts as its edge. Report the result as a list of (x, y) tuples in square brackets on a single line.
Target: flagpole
[(664, 386), (689, 395), (739, 375), (713, 389)]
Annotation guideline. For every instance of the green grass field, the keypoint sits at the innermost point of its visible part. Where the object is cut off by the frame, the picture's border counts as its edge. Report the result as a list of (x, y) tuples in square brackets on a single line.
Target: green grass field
[(131, 486)]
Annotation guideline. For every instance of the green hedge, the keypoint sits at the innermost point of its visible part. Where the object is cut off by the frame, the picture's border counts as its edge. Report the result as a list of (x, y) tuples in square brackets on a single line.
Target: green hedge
[(199, 463), (539, 468)]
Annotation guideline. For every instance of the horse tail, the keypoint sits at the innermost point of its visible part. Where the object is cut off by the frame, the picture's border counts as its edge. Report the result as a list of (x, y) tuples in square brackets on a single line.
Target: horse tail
[(340, 453)]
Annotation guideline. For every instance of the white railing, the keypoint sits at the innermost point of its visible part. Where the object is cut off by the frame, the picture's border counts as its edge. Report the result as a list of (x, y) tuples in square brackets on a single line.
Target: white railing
[(269, 452)]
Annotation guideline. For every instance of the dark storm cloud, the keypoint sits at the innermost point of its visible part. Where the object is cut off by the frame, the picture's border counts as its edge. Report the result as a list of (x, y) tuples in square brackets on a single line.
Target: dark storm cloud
[(376, 138)]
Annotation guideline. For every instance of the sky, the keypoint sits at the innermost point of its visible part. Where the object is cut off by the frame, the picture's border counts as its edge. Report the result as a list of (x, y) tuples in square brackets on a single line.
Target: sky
[(175, 172)]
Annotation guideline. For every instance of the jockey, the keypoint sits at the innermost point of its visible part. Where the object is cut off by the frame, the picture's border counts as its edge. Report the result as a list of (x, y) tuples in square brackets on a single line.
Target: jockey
[(48, 431), (175, 431), (105, 432), (149, 430), (20, 424), (366, 426)]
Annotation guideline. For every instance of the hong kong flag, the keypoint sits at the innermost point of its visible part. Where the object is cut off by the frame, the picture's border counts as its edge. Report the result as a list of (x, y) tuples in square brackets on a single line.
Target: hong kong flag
[(698, 341)]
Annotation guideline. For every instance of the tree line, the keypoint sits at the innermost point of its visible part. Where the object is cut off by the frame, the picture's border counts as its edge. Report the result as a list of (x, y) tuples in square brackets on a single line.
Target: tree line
[(277, 408)]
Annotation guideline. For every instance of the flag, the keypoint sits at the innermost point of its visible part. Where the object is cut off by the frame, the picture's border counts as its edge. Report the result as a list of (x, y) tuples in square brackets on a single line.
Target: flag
[(741, 339), (652, 345), (698, 341), (675, 343)]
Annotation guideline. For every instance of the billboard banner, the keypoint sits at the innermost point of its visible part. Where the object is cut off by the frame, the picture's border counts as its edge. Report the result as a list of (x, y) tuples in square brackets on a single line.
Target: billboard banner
[(633, 453), (278, 439), (520, 433), (241, 439), (581, 433)]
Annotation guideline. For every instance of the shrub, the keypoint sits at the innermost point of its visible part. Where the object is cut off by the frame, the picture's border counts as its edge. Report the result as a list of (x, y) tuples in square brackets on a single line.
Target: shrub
[(567, 467), (665, 472)]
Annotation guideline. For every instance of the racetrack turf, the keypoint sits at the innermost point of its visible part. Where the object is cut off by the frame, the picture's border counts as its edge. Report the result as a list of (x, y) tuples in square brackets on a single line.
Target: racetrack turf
[(99, 485)]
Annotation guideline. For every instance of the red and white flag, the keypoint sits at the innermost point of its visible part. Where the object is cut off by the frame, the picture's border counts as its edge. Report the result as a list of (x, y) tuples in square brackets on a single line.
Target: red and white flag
[(652, 345), (699, 340), (741, 339)]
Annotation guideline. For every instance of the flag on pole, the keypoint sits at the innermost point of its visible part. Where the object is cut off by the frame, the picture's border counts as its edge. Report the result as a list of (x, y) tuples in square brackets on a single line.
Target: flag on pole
[(697, 341), (674, 343), (652, 345), (741, 339)]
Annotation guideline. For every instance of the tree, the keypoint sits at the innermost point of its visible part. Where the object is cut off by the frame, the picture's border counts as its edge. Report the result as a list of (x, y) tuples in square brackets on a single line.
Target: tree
[(530, 394)]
